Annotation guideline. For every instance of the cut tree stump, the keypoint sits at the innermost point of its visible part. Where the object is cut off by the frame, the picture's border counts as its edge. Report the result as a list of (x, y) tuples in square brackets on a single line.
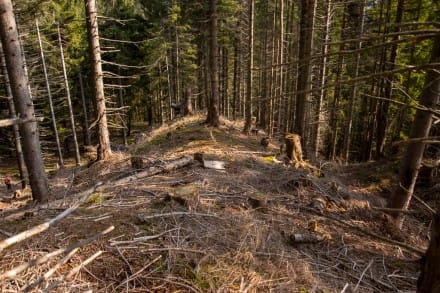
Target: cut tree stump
[(137, 163), (293, 147)]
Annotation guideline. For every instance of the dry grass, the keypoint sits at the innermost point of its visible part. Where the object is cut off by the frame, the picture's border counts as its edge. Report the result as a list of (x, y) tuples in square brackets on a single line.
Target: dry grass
[(221, 242)]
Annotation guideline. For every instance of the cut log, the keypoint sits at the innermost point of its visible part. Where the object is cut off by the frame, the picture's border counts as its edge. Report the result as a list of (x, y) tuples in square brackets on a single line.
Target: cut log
[(153, 170), (299, 238)]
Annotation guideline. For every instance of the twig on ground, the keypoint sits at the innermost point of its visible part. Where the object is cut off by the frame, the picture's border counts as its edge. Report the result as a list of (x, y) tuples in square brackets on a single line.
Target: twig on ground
[(37, 261), (394, 242), (173, 214), (6, 233), (362, 275), (73, 271), (42, 227), (51, 271), (133, 276)]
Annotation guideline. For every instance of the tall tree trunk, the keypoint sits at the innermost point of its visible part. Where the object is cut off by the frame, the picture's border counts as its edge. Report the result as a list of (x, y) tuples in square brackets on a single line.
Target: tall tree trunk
[(69, 100), (264, 93), (334, 109), (23, 102), (354, 87), (13, 114), (283, 105), (122, 114), (323, 76), (49, 95), (429, 279), (304, 54), (382, 122), (104, 150), (86, 132), (409, 169), (249, 92), (213, 118), (170, 89)]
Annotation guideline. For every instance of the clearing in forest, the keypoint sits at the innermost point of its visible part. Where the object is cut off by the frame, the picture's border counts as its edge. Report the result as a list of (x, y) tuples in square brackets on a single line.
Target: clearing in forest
[(252, 225)]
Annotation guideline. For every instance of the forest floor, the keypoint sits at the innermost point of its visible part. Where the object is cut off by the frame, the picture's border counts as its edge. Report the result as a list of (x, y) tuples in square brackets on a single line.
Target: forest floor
[(258, 225)]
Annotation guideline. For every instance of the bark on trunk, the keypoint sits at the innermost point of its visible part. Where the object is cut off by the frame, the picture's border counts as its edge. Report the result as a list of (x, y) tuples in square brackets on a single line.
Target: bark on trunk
[(23, 102), (429, 98), (69, 100), (49, 96), (13, 114), (213, 118), (104, 150), (429, 279), (249, 93), (304, 53)]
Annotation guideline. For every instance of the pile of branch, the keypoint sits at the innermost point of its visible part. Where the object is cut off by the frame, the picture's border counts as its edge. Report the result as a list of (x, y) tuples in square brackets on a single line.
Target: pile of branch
[(14, 273)]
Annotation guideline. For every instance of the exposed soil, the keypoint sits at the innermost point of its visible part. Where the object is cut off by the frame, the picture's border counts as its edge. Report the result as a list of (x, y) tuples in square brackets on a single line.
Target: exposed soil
[(205, 230)]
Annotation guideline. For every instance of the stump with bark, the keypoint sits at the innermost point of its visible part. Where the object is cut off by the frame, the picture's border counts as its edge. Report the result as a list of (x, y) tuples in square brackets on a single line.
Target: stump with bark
[(293, 147)]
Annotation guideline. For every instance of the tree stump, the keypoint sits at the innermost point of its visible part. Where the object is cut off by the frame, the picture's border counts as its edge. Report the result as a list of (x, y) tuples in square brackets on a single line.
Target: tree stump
[(293, 147), (137, 163)]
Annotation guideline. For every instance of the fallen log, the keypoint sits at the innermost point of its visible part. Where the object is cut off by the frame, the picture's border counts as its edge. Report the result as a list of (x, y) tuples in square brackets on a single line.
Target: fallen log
[(154, 170)]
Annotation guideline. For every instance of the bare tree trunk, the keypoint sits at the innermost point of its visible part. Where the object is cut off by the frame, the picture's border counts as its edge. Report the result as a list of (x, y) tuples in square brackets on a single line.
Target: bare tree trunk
[(249, 92), (409, 169), (429, 279), (213, 118), (122, 113), (283, 105), (323, 76), (334, 109), (49, 95), (104, 150), (354, 86), (170, 89), (237, 72), (87, 139), (23, 102), (304, 53), (13, 114), (264, 92), (69, 100)]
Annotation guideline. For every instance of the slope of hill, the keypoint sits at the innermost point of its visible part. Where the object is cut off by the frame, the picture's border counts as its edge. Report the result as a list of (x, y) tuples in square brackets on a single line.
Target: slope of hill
[(258, 225)]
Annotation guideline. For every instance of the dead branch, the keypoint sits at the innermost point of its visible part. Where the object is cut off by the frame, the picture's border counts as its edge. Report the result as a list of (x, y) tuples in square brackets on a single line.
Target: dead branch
[(133, 276), (73, 271), (7, 234), (179, 163), (37, 261), (366, 232), (14, 121), (394, 210), (44, 226), (141, 239), (430, 139), (51, 271), (145, 218)]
